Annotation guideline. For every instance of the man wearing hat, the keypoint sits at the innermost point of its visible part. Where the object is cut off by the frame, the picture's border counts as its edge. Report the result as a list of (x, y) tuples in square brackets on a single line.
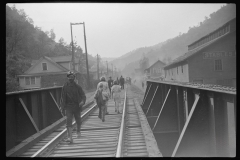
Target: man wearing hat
[(72, 100)]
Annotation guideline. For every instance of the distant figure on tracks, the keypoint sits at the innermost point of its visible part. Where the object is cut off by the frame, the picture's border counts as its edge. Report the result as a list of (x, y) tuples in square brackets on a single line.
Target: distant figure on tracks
[(116, 90), (72, 100), (105, 92), (110, 83), (121, 82), (118, 81), (142, 84)]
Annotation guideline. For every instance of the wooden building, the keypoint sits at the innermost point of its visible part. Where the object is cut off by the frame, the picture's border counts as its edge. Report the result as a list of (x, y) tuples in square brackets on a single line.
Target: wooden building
[(50, 71), (209, 60), (155, 71)]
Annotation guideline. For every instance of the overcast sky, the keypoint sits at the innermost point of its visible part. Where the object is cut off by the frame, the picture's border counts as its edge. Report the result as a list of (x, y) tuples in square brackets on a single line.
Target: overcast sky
[(113, 29)]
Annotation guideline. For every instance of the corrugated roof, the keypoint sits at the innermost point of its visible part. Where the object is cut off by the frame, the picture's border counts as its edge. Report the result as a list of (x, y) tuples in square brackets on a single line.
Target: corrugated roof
[(192, 52), (211, 87)]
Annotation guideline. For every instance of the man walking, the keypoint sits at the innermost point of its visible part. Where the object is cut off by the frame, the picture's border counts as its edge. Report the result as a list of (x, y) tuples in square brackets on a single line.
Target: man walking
[(121, 82), (72, 100), (110, 83)]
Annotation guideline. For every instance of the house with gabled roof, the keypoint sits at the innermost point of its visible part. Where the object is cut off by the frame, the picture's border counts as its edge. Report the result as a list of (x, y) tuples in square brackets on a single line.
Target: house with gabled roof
[(49, 71), (209, 60), (155, 71)]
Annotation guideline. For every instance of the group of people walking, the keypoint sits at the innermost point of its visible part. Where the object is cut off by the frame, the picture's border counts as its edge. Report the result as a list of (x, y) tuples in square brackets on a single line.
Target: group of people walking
[(120, 81), (73, 98), (105, 91)]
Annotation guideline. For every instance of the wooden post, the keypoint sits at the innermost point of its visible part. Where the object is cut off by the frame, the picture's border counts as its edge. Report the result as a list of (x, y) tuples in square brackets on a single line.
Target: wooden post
[(185, 125), (231, 127), (146, 94), (161, 109), (29, 115), (179, 127), (185, 99), (152, 100), (212, 124)]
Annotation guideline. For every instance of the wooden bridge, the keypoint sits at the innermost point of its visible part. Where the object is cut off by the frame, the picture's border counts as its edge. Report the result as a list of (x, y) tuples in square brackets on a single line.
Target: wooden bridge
[(170, 119), (121, 135)]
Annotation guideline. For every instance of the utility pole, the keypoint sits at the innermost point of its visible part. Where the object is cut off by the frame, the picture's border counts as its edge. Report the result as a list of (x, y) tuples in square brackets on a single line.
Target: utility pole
[(86, 56), (107, 67), (97, 67), (112, 69), (73, 64)]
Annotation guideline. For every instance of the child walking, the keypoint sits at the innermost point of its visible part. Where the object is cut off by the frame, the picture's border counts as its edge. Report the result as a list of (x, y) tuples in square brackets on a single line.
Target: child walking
[(116, 90), (100, 101)]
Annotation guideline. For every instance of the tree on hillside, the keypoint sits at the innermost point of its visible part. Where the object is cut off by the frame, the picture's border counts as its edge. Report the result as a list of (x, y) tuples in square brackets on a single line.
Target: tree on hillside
[(52, 35), (144, 63)]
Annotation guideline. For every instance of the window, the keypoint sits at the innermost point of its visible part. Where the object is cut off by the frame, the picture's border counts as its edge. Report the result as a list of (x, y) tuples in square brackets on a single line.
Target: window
[(177, 70), (172, 71), (32, 80), (44, 66), (182, 69), (27, 81), (218, 65)]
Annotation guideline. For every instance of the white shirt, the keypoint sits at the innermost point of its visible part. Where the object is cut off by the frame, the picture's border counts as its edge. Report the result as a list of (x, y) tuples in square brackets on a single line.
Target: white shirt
[(116, 90)]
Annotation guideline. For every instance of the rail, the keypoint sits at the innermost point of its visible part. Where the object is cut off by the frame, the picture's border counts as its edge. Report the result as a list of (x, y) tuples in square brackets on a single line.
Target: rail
[(122, 128), (128, 130), (29, 112), (45, 150)]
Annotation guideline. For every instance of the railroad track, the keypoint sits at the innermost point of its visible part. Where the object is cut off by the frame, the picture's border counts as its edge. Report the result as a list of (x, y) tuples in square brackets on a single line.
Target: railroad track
[(121, 135)]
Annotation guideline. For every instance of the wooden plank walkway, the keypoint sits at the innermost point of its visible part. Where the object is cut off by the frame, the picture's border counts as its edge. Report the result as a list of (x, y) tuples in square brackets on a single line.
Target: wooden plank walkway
[(98, 139)]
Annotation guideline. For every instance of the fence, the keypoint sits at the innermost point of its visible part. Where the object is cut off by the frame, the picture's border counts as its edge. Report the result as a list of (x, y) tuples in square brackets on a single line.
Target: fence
[(28, 112), (190, 120)]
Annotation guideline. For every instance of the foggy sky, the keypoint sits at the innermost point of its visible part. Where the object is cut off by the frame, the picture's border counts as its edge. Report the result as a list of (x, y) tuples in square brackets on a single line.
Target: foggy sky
[(113, 29)]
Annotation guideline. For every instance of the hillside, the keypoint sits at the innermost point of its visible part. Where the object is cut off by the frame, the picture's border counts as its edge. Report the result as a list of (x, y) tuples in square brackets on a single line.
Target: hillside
[(25, 43), (177, 46), (134, 55)]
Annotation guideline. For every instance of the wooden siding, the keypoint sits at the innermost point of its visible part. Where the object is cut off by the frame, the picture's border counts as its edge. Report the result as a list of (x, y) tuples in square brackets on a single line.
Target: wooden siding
[(177, 75), (156, 70), (23, 85), (203, 68), (66, 65), (50, 68)]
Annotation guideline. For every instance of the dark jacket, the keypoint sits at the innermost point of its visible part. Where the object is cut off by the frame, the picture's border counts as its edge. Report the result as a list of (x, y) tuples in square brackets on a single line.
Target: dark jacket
[(99, 99), (110, 83), (72, 94)]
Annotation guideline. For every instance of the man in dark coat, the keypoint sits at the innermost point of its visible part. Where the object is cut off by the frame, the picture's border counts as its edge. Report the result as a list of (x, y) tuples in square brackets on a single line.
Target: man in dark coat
[(121, 82), (110, 83), (72, 100)]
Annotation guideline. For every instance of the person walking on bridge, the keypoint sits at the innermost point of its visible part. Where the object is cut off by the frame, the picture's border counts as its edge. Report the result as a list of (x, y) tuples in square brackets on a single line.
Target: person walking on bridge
[(116, 90), (121, 82), (105, 93), (100, 102), (110, 83), (72, 100)]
